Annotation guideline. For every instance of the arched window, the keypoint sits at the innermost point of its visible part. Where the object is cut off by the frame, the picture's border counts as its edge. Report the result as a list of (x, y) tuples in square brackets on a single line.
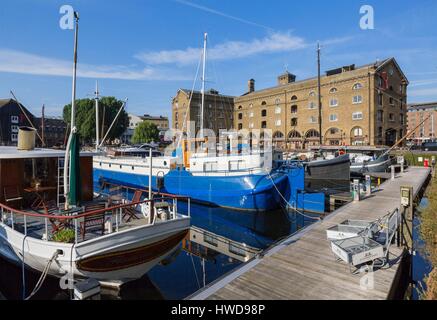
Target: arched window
[(263, 103), (293, 98), (278, 135), (312, 133), (294, 109), (264, 113), (277, 101), (240, 107), (333, 90), (294, 135), (357, 86), (312, 94)]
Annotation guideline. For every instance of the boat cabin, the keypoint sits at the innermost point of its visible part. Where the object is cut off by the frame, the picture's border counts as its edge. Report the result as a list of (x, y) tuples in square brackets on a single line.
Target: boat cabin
[(25, 173)]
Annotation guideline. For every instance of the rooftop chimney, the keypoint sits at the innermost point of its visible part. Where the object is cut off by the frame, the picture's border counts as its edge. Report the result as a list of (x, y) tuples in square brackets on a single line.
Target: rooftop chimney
[(251, 85), (286, 78)]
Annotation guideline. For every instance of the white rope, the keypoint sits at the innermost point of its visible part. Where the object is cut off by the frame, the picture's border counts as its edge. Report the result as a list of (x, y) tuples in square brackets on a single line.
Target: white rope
[(43, 275), (288, 203)]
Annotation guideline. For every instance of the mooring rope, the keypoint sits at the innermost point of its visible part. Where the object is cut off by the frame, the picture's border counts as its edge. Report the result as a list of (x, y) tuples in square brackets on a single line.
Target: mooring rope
[(288, 203), (43, 275)]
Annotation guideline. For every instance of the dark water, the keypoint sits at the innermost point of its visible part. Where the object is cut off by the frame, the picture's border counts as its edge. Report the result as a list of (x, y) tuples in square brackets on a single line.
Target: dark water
[(421, 265), (189, 267)]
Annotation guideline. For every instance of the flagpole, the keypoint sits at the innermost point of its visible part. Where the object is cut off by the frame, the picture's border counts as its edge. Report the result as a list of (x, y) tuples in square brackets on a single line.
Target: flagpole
[(67, 175)]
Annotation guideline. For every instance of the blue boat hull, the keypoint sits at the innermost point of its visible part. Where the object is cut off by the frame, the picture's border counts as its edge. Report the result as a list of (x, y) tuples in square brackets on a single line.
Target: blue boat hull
[(254, 192)]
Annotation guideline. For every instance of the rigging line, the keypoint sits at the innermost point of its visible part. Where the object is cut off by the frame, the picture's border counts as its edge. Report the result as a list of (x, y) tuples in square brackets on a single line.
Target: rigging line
[(195, 272)]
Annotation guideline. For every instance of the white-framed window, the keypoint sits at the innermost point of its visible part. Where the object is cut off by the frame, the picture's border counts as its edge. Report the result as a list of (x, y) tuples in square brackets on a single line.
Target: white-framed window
[(333, 102), (312, 105), (357, 100), (358, 132), (312, 119), (277, 101), (14, 137), (333, 117), (250, 114), (14, 119), (357, 86), (14, 128), (312, 94), (333, 90), (251, 106), (277, 109), (357, 116), (251, 125), (278, 123)]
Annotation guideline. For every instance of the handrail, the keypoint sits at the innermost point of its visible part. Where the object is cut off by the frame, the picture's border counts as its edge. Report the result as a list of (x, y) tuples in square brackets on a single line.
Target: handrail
[(86, 214)]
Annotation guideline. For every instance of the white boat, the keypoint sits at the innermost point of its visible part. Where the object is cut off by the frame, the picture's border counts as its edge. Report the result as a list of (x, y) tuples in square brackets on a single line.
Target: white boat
[(109, 241)]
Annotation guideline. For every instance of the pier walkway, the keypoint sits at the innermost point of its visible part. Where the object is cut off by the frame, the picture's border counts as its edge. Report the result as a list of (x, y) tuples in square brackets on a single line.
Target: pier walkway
[(303, 265)]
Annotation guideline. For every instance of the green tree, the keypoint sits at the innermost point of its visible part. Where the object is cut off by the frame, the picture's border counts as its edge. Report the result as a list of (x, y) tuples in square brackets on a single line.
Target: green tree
[(86, 118), (145, 132)]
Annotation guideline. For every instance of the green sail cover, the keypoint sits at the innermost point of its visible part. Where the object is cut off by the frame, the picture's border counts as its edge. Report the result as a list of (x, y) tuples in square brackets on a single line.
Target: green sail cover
[(75, 193)]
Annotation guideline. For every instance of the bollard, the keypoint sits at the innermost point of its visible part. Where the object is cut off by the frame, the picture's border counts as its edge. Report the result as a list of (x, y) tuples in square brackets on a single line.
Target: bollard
[(356, 190), (368, 186), (392, 172)]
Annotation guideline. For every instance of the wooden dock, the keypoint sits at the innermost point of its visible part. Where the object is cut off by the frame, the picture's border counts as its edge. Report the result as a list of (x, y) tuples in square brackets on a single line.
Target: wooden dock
[(303, 265)]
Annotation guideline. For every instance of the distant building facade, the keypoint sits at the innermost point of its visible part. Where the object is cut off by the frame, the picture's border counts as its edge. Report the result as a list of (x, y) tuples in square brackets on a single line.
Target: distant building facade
[(418, 113), (160, 121), (54, 132), (360, 106), (11, 118), (218, 110)]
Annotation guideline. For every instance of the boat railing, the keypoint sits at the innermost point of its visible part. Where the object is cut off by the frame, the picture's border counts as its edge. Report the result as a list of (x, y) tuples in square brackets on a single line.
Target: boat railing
[(25, 221)]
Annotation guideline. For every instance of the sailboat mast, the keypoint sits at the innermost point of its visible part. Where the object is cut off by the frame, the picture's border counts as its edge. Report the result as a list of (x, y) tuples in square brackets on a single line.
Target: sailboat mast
[(73, 91), (203, 84), (97, 116), (319, 93)]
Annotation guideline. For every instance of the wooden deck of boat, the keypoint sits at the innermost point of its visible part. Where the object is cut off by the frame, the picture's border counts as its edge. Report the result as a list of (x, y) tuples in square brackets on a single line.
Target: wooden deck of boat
[(303, 266)]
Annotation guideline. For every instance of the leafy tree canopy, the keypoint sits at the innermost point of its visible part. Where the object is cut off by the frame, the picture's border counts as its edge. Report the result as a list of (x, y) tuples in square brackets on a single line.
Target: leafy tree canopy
[(86, 118), (145, 132)]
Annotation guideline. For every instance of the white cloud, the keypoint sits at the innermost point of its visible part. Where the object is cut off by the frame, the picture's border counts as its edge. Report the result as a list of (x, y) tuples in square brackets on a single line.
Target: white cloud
[(275, 42), (424, 93), (27, 63)]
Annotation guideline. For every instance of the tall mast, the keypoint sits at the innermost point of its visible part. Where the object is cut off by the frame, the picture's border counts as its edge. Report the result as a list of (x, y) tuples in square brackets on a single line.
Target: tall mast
[(97, 116), (320, 94), (73, 91), (43, 126), (205, 36)]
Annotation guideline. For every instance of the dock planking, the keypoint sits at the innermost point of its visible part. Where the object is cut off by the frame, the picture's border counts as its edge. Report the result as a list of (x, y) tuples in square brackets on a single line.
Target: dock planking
[(303, 265)]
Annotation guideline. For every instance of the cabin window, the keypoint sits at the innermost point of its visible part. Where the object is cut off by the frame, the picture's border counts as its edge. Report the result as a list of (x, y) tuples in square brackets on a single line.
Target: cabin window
[(211, 240), (121, 167), (133, 168), (236, 250), (165, 163), (210, 166), (109, 165), (100, 164), (235, 165)]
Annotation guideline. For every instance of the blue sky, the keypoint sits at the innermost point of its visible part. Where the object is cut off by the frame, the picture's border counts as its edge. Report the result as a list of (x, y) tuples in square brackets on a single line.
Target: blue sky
[(146, 50)]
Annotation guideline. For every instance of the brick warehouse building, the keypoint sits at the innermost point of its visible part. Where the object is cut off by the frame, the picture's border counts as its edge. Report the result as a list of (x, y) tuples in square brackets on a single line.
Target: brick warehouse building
[(364, 105), (360, 106)]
